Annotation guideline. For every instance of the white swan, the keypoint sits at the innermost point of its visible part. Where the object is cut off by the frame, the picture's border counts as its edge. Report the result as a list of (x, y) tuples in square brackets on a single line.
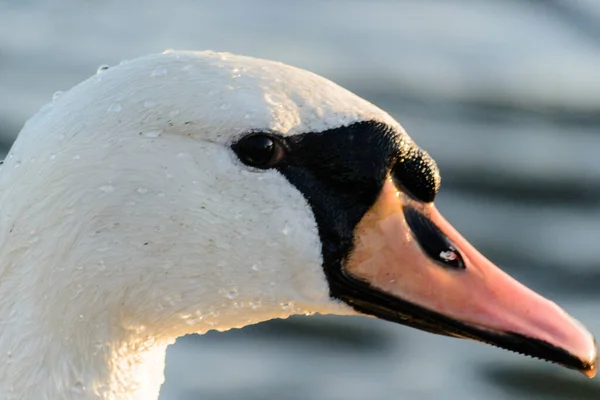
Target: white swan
[(184, 192)]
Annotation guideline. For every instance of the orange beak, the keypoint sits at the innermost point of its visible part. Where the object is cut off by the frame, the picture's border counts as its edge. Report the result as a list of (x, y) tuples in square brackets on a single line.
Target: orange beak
[(409, 265)]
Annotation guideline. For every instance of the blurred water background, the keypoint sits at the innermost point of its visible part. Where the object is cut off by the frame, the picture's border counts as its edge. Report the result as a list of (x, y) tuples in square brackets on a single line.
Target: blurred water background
[(504, 95)]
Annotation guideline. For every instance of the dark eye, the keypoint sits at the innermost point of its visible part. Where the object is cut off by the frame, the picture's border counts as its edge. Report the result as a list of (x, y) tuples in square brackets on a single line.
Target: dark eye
[(260, 150), (432, 240)]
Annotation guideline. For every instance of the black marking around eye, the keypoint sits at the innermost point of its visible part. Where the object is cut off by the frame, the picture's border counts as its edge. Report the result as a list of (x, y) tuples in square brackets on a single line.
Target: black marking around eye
[(341, 172)]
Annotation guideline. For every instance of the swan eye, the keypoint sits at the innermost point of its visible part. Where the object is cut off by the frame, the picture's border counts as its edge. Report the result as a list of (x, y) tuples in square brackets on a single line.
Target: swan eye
[(260, 151)]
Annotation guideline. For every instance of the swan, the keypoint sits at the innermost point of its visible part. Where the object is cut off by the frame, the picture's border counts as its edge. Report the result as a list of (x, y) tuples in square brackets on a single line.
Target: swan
[(183, 192)]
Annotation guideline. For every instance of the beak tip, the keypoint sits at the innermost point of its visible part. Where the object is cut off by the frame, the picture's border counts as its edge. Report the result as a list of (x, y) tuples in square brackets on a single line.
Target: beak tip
[(591, 371), (590, 368)]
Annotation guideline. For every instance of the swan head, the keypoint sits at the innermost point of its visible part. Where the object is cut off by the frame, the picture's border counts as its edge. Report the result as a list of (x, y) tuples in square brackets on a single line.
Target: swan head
[(189, 191)]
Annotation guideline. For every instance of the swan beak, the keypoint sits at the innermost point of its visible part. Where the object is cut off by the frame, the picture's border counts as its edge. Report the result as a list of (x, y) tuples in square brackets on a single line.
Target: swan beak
[(410, 266)]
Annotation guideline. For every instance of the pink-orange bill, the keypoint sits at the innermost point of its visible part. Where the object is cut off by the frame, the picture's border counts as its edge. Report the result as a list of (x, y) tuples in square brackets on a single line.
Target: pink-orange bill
[(426, 275)]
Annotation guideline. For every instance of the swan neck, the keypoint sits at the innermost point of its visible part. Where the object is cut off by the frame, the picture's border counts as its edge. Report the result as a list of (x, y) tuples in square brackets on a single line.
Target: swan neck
[(37, 362)]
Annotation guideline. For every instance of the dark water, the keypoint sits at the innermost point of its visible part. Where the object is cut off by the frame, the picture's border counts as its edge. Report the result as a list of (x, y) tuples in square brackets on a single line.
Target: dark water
[(505, 96)]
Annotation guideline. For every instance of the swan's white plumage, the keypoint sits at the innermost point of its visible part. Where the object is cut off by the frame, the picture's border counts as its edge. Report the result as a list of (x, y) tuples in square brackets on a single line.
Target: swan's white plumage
[(127, 221)]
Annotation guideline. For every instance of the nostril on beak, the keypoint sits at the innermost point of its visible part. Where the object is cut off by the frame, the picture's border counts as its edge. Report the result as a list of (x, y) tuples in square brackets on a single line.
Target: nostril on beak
[(432, 240)]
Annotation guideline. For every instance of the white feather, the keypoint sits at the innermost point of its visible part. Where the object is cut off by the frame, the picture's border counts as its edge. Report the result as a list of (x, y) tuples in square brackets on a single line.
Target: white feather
[(126, 220)]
